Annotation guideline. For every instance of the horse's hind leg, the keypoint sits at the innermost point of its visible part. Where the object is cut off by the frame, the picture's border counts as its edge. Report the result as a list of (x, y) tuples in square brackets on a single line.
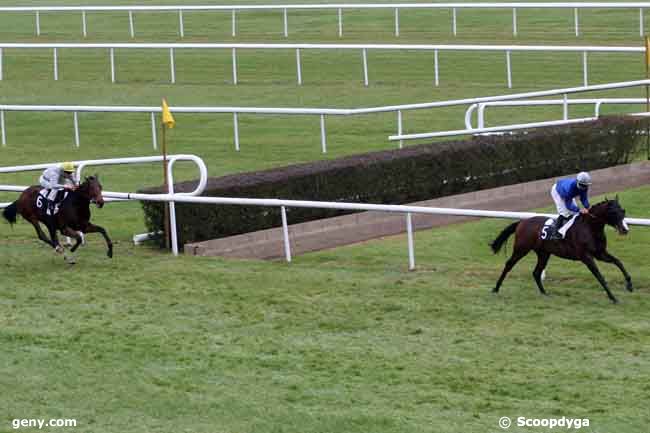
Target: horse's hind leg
[(91, 228), (41, 234), (608, 258), (542, 261), (512, 261)]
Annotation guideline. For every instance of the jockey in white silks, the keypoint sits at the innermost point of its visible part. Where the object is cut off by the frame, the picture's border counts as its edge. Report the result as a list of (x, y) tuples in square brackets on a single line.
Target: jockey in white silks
[(56, 180)]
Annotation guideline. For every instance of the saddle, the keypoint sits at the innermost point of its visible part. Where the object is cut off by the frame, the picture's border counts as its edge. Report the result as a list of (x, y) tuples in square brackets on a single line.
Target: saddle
[(551, 231), (48, 206)]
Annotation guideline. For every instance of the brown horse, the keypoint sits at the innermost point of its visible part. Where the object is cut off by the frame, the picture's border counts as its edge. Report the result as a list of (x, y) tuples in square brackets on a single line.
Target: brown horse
[(73, 217), (585, 241)]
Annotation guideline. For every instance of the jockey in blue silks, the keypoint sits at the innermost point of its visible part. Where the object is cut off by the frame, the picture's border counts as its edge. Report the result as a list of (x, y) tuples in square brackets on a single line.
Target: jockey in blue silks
[(564, 193)]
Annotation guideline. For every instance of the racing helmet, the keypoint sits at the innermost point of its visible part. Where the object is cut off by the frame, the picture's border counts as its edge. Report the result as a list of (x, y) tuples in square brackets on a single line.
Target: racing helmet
[(584, 180)]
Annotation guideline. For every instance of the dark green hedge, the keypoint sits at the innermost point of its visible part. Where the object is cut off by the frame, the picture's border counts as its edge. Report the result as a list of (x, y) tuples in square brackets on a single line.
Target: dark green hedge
[(401, 176)]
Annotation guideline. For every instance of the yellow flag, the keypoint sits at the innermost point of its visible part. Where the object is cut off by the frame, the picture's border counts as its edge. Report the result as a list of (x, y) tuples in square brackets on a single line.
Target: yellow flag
[(167, 117)]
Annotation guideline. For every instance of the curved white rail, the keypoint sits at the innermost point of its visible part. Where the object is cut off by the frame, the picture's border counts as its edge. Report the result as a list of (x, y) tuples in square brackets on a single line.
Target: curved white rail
[(81, 165)]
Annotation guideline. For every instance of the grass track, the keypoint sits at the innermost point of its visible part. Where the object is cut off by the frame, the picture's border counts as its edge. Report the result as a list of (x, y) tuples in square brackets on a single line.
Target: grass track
[(342, 340), (339, 341)]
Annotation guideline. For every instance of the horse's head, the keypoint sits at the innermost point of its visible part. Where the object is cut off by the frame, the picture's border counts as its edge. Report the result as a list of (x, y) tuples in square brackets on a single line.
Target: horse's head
[(92, 189), (610, 212)]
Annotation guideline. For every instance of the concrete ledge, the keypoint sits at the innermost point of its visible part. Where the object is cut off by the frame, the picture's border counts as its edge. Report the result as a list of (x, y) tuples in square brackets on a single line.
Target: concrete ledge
[(348, 229)]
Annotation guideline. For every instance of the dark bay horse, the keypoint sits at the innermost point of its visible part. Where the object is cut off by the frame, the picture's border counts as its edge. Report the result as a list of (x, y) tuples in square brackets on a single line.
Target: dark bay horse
[(73, 216), (585, 241)]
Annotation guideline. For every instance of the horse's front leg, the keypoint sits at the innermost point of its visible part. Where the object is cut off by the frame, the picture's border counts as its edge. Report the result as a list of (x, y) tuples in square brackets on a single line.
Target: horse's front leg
[(608, 258), (91, 228), (589, 262)]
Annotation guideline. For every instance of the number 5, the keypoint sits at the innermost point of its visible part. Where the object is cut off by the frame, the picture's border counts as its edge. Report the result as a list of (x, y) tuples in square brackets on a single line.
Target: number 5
[(544, 232)]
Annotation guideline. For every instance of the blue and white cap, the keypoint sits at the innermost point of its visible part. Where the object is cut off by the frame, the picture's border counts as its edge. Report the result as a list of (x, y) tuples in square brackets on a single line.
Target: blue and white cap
[(584, 179)]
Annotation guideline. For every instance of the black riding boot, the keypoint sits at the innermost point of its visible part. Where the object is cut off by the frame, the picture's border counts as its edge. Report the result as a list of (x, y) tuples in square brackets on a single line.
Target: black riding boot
[(555, 232)]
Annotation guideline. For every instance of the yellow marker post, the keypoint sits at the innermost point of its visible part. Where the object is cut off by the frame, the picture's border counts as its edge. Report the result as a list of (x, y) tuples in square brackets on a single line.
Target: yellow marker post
[(166, 122)]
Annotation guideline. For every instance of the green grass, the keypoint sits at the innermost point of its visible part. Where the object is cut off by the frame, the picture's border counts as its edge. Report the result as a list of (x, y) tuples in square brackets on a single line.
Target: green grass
[(342, 340), (345, 340)]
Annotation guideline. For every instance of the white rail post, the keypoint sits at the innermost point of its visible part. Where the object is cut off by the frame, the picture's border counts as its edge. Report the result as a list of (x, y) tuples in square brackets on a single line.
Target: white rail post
[(509, 69), (436, 68), (641, 24), (365, 67), (76, 129), (323, 137), (575, 21), (2, 128), (172, 211), (172, 66), (0, 64), (131, 26), (285, 22), (298, 67), (514, 22), (397, 22), (399, 127), (181, 27), (56, 65), (84, 27), (584, 68), (234, 65), (481, 115), (234, 23), (111, 54), (565, 107), (409, 234), (154, 138), (340, 23), (285, 234), (38, 23), (597, 108), (453, 21), (235, 124)]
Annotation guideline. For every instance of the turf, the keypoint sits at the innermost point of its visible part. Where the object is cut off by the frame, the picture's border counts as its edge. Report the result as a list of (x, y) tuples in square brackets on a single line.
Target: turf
[(344, 340)]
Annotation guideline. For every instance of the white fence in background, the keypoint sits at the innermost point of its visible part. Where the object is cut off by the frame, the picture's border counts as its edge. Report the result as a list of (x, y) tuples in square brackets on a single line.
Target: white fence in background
[(565, 103), (192, 197), (81, 165), (364, 48), (323, 112), (285, 9)]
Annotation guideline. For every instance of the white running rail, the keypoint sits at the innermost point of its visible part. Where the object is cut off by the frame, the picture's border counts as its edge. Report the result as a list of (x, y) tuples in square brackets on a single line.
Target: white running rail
[(597, 103), (321, 112), (81, 165), (395, 7), (172, 198), (505, 50)]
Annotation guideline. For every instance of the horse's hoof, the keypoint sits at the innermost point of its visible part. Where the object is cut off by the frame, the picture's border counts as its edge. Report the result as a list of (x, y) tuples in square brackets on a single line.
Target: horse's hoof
[(58, 249), (629, 287), (110, 254), (495, 291), (614, 301)]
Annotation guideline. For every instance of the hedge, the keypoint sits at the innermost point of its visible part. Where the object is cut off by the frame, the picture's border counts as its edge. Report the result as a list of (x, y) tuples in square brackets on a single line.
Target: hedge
[(411, 174)]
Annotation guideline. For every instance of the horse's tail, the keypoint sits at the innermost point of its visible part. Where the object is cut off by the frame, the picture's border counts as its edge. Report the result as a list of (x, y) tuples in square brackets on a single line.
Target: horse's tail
[(10, 213), (503, 237)]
